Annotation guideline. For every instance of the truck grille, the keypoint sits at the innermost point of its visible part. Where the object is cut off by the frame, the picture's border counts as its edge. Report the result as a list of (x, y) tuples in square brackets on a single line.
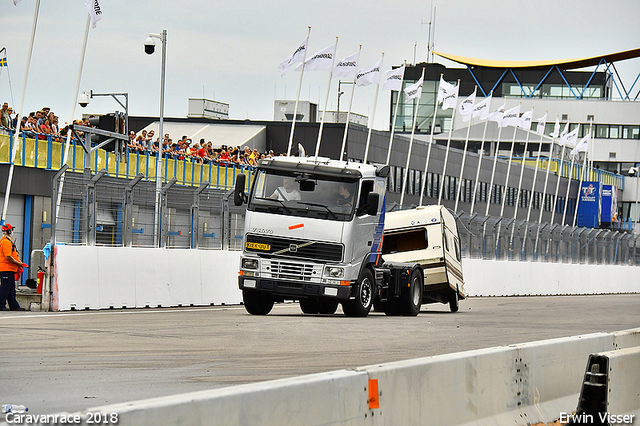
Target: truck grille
[(294, 271), (294, 248)]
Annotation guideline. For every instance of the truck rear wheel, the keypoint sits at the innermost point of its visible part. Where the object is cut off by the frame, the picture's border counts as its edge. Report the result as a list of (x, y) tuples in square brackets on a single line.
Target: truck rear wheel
[(361, 305), (257, 303), (411, 297)]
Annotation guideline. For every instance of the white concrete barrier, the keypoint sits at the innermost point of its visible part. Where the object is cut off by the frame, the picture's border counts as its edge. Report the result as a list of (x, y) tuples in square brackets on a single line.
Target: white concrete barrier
[(116, 277), (512, 385), (104, 277), (504, 278)]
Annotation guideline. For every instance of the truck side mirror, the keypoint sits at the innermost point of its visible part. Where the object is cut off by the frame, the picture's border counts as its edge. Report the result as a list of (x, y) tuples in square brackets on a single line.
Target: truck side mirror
[(239, 196), (372, 203)]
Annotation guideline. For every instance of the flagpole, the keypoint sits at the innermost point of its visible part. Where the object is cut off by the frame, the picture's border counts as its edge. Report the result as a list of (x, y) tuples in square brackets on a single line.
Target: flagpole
[(560, 169), (295, 109), (464, 155), (566, 198), (326, 99), (19, 113), (346, 126), (413, 130), (584, 174), (493, 171), (535, 177), (522, 164), (395, 117), (506, 183), (73, 111), (484, 135), (373, 113), (446, 154), (426, 162)]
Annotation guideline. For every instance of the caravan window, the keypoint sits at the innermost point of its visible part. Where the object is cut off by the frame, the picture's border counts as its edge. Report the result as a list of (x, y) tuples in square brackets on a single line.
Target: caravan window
[(405, 241)]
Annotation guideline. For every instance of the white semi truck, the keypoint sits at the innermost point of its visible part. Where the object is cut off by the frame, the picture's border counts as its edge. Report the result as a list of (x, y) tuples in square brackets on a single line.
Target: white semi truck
[(315, 232)]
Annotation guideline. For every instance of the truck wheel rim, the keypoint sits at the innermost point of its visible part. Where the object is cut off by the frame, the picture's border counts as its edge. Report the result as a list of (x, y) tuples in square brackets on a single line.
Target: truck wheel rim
[(416, 291), (365, 293)]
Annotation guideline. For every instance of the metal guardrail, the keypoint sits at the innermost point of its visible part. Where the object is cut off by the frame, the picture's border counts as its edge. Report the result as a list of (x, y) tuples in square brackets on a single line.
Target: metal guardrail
[(495, 238)]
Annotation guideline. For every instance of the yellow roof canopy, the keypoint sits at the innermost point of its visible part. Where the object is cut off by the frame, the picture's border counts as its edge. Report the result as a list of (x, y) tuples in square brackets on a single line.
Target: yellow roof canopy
[(564, 64)]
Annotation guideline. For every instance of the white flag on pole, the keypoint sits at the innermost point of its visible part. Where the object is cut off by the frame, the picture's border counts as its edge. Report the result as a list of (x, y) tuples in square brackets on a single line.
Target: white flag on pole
[(394, 79), (582, 146), (556, 129), (321, 61), (511, 116), (525, 120), (542, 122), (415, 90), (347, 67), (297, 56), (94, 9), (482, 108), (563, 135), (447, 94), (370, 75), (497, 115), (572, 138), (466, 107)]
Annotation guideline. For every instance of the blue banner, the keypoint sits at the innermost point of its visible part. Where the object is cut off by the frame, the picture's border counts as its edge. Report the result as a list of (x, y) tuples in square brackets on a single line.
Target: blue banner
[(609, 202), (589, 205)]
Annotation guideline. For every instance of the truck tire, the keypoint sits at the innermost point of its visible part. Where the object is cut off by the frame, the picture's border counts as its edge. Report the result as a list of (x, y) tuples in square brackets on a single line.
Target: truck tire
[(327, 307), (257, 303), (309, 306), (411, 297), (361, 305), (454, 302)]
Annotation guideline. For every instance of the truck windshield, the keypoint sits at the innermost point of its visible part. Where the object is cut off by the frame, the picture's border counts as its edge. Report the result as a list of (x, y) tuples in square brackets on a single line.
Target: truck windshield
[(307, 195)]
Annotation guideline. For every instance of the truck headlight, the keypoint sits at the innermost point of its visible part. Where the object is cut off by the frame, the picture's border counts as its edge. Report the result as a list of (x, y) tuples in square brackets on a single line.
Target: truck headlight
[(334, 272), (248, 263)]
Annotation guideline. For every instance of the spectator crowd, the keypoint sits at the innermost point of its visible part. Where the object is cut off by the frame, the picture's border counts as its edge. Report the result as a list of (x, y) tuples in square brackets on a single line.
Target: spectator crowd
[(44, 124)]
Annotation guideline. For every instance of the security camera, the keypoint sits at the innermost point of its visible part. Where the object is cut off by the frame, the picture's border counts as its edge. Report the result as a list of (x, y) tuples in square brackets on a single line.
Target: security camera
[(83, 100), (149, 46), (633, 171)]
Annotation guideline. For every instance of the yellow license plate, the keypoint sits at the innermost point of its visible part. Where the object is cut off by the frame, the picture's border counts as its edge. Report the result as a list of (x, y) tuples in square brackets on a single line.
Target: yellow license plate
[(258, 246)]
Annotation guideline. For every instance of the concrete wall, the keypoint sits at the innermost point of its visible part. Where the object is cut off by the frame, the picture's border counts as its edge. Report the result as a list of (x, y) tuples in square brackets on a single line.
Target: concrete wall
[(512, 385), (116, 277)]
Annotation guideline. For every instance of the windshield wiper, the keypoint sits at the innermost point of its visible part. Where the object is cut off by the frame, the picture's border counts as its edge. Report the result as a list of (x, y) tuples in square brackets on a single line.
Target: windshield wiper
[(319, 205), (276, 200)]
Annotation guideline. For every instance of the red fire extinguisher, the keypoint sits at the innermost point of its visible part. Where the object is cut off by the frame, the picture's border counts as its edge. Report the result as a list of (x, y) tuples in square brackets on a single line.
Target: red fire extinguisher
[(40, 281)]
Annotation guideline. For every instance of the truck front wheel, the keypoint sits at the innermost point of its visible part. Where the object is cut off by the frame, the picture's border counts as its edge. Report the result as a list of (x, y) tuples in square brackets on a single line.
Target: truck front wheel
[(257, 303), (361, 305), (411, 297)]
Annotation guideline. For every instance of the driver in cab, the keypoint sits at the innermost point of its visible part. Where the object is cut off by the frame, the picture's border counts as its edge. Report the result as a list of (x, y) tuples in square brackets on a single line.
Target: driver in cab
[(286, 192)]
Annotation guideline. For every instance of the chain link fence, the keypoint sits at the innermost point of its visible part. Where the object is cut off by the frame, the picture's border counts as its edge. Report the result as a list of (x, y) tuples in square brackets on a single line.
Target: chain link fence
[(108, 211), (495, 238)]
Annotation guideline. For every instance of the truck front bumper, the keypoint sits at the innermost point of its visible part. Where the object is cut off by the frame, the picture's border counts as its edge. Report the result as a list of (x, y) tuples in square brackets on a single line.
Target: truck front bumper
[(296, 290)]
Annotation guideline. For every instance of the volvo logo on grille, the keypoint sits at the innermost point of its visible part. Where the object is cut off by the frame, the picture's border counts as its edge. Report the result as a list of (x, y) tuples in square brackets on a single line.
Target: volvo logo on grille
[(293, 248)]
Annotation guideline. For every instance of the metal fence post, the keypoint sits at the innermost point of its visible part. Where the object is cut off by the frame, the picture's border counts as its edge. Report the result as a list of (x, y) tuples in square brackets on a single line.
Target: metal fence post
[(163, 214), (127, 229), (195, 215), (91, 206)]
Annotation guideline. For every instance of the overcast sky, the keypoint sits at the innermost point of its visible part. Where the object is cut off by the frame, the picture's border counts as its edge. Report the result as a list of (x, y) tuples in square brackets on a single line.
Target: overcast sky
[(229, 51)]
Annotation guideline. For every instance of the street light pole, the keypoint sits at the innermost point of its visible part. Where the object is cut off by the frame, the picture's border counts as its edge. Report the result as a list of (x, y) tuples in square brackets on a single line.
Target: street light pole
[(149, 49)]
